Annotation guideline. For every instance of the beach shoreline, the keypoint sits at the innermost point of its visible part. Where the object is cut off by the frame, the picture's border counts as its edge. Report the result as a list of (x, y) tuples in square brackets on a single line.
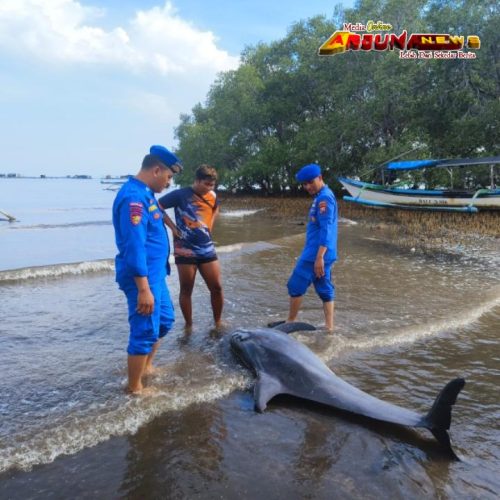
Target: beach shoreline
[(418, 230), (405, 324)]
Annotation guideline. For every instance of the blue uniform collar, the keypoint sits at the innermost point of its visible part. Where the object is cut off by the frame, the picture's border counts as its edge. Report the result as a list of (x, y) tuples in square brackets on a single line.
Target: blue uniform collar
[(134, 180), (320, 191)]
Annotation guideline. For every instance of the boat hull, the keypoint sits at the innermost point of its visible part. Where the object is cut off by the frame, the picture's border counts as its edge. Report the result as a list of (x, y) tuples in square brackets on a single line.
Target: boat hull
[(417, 198)]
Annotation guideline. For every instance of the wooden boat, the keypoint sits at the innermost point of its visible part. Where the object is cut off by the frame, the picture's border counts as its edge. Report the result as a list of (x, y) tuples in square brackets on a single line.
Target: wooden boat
[(117, 181), (379, 195)]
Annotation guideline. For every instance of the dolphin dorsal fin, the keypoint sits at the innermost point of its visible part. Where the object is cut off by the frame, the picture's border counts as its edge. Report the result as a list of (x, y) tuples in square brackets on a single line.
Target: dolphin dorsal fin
[(265, 389)]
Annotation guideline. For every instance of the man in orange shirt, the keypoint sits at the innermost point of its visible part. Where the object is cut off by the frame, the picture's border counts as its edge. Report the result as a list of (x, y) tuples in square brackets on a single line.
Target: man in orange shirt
[(196, 209)]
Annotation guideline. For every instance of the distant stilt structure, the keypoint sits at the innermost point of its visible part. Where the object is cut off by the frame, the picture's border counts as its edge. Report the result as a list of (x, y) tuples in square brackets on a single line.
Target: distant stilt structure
[(8, 217)]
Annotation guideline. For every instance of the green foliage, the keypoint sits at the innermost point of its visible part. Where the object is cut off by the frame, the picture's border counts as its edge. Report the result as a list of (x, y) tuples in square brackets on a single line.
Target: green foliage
[(285, 106)]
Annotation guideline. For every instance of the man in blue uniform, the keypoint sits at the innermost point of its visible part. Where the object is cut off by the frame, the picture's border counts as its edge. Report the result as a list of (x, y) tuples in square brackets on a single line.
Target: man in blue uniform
[(142, 260), (320, 249)]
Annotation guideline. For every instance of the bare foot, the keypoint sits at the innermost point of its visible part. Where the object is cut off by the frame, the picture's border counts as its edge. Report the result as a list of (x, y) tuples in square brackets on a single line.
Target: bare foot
[(134, 391), (150, 370), (326, 328), (221, 325), (215, 333), (144, 391), (148, 391)]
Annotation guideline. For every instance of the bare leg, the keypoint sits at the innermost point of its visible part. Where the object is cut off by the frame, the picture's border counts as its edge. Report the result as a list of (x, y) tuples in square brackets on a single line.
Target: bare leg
[(149, 370), (211, 274), (328, 309), (187, 275), (295, 303), (136, 367)]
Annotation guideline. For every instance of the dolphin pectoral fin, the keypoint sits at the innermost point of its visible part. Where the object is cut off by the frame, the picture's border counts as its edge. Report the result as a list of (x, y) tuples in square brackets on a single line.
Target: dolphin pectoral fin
[(274, 324), (296, 326), (265, 389)]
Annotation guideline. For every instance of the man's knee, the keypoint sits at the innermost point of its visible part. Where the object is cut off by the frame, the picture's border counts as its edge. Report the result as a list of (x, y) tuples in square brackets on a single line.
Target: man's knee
[(141, 342), (166, 323), (164, 329), (326, 297), (167, 315), (186, 289), (215, 288), (300, 279), (295, 286), (325, 291)]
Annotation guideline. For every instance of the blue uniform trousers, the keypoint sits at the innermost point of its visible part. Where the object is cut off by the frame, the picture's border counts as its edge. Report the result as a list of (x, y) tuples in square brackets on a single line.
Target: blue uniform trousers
[(303, 276), (146, 330)]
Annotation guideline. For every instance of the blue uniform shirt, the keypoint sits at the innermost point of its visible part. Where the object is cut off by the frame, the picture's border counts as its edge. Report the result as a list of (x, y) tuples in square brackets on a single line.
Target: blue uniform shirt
[(322, 227), (140, 235)]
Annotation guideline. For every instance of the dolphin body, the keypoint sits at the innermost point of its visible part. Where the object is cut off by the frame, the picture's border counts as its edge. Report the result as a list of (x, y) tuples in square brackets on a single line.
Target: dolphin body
[(285, 366)]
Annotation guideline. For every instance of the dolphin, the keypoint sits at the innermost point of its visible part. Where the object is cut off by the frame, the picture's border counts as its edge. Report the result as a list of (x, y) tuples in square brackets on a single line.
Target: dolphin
[(284, 365)]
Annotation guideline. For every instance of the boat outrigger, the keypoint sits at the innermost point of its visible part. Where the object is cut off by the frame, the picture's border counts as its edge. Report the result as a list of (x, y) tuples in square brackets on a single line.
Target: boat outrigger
[(7, 217), (380, 195)]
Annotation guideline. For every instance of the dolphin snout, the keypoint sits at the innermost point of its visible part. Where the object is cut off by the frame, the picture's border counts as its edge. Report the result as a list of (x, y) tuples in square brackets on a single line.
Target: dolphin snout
[(239, 336)]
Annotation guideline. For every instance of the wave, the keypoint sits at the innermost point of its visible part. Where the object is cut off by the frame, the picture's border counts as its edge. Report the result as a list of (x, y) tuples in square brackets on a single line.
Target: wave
[(240, 213), (107, 265), (347, 222), (410, 334), (56, 271), (117, 416), (246, 248)]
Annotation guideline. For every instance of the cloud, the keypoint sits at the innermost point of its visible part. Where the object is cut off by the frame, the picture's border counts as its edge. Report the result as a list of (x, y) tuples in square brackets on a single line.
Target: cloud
[(154, 105), (67, 32), (71, 75)]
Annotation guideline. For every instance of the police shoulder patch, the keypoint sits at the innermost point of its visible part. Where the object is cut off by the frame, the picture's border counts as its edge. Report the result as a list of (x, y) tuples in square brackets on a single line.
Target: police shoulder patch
[(135, 211), (322, 207)]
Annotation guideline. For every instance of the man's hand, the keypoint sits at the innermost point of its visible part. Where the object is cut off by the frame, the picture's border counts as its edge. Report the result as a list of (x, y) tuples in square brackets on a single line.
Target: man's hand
[(176, 233), (171, 225), (319, 266), (145, 301)]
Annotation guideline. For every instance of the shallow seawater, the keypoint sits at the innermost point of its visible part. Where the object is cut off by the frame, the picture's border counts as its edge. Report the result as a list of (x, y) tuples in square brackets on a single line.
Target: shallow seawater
[(406, 324)]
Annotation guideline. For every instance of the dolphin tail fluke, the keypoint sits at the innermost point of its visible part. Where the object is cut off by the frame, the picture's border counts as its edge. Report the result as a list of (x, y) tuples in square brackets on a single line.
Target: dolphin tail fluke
[(438, 419)]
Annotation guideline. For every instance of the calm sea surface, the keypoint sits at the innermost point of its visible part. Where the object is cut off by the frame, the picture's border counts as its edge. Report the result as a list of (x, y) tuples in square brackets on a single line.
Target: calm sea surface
[(406, 324)]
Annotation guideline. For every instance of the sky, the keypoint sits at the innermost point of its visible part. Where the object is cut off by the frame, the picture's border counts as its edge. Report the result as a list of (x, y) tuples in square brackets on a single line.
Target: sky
[(87, 86)]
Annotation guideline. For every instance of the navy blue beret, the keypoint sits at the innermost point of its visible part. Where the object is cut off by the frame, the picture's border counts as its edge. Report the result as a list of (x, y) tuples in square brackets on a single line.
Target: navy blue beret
[(165, 156), (308, 173)]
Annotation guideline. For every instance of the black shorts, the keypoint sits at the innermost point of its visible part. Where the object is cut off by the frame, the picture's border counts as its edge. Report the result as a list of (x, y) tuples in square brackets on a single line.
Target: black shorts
[(196, 261)]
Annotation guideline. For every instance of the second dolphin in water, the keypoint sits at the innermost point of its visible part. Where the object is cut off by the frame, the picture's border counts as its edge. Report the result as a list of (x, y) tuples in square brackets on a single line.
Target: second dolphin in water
[(285, 366)]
